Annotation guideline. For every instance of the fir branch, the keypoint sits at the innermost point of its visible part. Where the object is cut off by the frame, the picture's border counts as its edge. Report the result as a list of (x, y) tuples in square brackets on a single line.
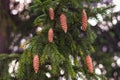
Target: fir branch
[(56, 9)]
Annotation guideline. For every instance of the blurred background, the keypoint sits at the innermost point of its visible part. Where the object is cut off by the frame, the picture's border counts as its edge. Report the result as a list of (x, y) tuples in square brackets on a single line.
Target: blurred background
[(16, 27)]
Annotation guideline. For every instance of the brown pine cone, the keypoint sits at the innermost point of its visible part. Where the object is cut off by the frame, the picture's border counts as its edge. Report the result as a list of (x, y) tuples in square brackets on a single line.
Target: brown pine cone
[(51, 13), (89, 63), (36, 63), (50, 35), (84, 21), (63, 22)]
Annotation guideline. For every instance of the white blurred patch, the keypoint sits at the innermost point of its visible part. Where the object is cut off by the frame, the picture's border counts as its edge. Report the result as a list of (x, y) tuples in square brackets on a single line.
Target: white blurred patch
[(22, 1), (48, 75), (99, 16), (28, 1), (118, 17), (39, 29), (104, 72), (117, 5), (16, 67), (104, 48), (14, 12), (109, 24), (92, 21), (62, 78), (118, 44), (17, 0), (115, 58), (49, 67), (114, 21), (113, 64), (13, 67), (71, 59), (118, 62), (23, 41), (62, 71), (100, 66), (15, 48), (98, 71)]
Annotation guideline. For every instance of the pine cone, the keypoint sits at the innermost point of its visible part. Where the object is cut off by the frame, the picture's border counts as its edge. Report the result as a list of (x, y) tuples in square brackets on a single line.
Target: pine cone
[(50, 35), (36, 63), (84, 21), (63, 22), (89, 63), (51, 13)]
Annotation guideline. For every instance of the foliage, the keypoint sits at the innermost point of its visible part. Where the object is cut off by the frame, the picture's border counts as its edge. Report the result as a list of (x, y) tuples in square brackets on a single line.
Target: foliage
[(75, 42), (5, 60)]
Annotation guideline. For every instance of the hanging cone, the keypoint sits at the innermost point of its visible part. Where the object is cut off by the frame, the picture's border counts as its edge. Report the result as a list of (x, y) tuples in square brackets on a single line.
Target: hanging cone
[(51, 13), (89, 63), (50, 35), (36, 63), (84, 21), (63, 22)]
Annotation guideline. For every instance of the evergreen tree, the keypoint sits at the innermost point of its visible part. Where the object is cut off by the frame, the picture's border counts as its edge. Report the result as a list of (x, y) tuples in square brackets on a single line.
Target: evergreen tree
[(64, 45)]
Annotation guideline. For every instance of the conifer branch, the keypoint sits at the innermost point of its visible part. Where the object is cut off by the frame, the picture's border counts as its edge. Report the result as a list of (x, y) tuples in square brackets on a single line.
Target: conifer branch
[(56, 9)]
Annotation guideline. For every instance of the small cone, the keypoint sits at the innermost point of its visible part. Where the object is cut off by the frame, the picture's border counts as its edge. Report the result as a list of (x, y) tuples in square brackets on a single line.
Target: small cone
[(51, 13), (84, 21), (36, 63), (89, 63), (63, 22), (50, 35)]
